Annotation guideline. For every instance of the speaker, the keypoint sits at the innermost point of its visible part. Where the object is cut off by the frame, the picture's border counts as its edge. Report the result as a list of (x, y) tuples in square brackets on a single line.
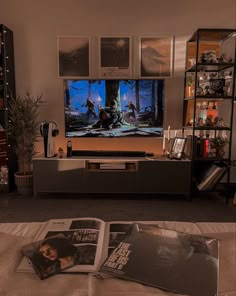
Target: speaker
[(69, 149)]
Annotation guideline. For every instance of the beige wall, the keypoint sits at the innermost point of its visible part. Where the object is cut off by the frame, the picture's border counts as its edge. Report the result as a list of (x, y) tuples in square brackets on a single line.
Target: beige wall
[(37, 23)]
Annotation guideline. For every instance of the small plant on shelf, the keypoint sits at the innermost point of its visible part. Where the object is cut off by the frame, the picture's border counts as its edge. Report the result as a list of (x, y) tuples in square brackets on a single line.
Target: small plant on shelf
[(218, 142)]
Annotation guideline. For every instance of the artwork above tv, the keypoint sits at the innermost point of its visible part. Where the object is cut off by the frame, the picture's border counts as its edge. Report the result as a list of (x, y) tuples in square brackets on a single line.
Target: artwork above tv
[(113, 108)]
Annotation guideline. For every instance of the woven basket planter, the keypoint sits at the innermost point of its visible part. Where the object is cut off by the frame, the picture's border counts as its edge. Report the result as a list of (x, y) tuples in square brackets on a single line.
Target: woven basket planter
[(24, 183)]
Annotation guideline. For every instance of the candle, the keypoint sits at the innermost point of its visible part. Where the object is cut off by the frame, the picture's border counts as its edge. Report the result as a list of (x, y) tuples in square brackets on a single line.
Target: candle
[(176, 134), (164, 143), (168, 134)]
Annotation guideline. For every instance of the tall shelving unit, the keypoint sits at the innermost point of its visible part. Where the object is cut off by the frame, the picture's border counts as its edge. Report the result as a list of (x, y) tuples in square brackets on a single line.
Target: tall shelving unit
[(209, 93), (7, 89)]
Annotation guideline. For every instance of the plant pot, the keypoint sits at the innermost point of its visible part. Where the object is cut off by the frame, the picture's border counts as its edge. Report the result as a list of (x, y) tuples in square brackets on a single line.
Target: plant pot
[(220, 152), (24, 183)]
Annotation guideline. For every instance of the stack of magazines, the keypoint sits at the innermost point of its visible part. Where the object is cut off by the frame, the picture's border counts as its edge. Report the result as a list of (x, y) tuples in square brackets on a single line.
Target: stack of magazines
[(142, 252)]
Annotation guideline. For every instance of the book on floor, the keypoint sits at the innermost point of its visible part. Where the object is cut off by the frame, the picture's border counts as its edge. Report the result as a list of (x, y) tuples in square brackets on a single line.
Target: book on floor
[(170, 260)]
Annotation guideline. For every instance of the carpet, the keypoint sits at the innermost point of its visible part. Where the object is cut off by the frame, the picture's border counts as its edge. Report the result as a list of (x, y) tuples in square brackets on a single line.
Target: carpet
[(111, 207)]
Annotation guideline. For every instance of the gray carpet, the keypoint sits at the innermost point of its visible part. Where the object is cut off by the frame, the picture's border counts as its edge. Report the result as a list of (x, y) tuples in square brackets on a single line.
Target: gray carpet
[(209, 208)]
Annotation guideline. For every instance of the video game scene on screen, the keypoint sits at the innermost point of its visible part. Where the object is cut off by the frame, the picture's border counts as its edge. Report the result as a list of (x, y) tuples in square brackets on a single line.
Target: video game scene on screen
[(113, 108)]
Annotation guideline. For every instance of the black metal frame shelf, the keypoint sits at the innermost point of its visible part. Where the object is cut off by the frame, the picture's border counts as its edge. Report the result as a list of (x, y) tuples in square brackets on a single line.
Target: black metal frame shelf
[(7, 83), (221, 43), (210, 67), (207, 128)]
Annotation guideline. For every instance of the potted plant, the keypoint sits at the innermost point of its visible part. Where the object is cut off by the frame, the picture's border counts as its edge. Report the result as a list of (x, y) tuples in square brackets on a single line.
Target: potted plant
[(24, 130), (218, 143)]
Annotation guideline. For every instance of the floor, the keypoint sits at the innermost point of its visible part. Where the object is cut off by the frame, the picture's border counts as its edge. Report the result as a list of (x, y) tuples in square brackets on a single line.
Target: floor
[(202, 208)]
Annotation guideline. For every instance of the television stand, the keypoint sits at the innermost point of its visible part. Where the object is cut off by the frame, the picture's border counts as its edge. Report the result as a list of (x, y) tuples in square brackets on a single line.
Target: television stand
[(111, 175)]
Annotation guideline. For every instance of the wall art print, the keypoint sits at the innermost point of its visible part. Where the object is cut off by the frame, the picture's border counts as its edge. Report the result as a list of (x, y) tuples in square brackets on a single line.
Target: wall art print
[(156, 57), (73, 56), (115, 57)]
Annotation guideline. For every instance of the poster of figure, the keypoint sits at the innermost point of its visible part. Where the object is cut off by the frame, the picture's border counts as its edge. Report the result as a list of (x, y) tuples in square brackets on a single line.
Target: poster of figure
[(115, 57), (156, 57), (73, 56)]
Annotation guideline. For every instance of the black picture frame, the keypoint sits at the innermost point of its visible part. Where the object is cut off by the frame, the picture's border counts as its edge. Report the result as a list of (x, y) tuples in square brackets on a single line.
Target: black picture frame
[(177, 149)]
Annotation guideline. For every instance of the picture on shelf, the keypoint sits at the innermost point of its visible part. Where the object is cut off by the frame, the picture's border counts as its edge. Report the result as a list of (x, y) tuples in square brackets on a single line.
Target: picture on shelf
[(115, 57), (177, 148), (156, 57), (73, 56), (113, 108)]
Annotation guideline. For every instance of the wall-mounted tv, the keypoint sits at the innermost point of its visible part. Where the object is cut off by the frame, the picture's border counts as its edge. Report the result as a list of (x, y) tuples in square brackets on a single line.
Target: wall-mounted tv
[(114, 108)]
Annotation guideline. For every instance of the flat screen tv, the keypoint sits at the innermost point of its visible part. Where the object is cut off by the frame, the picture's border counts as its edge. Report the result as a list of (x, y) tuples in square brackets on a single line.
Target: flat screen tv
[(113, 108)]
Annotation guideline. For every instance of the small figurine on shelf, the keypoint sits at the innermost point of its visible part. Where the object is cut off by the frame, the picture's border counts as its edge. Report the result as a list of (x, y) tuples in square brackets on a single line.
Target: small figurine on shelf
[(208, 56), (212, 75), (203, 58), (208, 120), (216, 119), (200, 121), (192, 62), (223, 58), (199, 91), (221, 122), (207, 90), (60, 152)]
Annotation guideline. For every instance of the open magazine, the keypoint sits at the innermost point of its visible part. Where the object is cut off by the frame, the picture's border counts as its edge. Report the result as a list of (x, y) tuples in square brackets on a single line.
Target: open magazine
[(93, 238), (171, 260)]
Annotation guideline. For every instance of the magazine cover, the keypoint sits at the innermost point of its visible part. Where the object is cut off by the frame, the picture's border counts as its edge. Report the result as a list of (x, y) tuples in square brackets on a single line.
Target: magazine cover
[(52, 255), (178, 262)]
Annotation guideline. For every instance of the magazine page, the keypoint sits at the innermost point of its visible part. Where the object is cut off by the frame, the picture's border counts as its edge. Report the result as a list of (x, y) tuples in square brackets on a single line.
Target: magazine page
[(86, 234), (167, 259), (51, 255), (117, 231)]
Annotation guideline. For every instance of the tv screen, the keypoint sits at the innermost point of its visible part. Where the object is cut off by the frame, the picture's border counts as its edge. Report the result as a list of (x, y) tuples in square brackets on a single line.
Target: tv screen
[(113, 108)]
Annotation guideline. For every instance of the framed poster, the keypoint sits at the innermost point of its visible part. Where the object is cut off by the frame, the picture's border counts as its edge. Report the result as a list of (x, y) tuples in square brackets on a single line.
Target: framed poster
[(73, 56), (115, 57), (156, 57)]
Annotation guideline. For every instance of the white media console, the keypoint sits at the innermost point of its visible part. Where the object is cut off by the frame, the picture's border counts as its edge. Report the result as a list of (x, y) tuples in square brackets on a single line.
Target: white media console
[(111, 175)]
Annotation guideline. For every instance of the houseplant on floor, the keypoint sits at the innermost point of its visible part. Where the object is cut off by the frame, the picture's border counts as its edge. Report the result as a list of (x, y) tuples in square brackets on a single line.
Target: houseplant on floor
[(24, 130)]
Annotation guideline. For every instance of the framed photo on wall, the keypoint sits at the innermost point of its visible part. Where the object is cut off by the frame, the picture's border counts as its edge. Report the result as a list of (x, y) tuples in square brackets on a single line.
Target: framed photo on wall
[(156, 57), (115, 57), (73, 56)]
